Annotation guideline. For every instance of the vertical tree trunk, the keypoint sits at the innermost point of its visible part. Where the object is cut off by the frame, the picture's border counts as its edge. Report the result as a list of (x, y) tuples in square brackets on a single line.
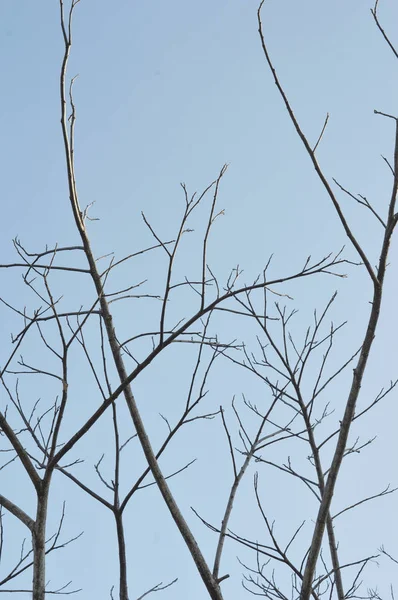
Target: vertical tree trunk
[(39, 543), (123, 589)]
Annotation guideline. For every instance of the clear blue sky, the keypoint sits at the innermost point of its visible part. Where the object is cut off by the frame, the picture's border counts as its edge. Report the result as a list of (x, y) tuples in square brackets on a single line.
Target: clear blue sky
[(169, 92)]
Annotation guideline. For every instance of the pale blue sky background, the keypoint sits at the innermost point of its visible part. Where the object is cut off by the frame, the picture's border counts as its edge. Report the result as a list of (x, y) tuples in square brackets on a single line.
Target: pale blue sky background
[(169, 92)]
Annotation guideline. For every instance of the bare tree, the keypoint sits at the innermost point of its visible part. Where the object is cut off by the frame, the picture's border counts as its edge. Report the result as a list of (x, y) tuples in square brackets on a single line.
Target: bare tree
[(295, 427)]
